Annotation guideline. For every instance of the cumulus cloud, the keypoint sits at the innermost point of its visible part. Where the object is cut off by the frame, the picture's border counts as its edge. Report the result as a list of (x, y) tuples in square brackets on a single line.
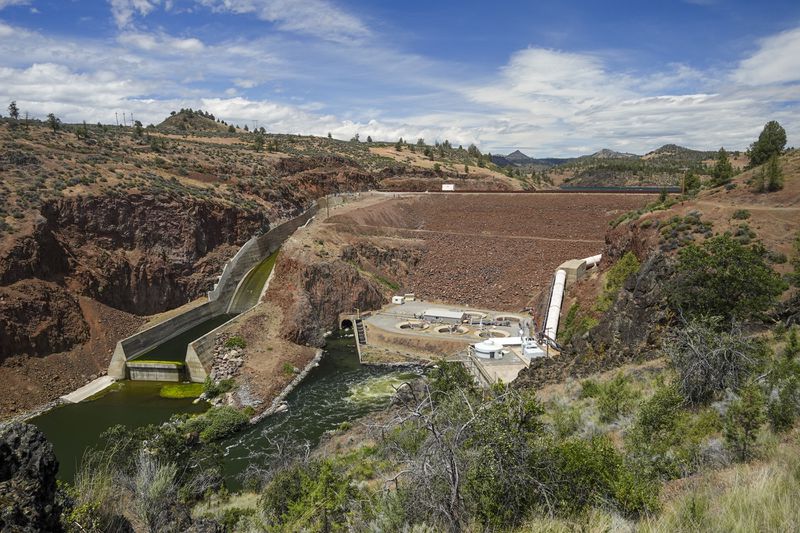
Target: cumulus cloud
[(123, 11), (544, 101), (776, 61)]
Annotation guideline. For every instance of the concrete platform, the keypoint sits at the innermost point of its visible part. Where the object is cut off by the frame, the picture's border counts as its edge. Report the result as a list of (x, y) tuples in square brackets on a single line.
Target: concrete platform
[(89, 390)]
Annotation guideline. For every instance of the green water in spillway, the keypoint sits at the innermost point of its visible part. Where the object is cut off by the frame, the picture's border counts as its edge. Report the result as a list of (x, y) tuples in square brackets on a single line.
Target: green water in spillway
[(338, 390), (249, 290), (174, 349), (73, 428)]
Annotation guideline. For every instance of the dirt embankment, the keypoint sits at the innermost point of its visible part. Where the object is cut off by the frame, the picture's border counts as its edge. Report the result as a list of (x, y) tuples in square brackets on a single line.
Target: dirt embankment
[(450, 248), (497, 251)]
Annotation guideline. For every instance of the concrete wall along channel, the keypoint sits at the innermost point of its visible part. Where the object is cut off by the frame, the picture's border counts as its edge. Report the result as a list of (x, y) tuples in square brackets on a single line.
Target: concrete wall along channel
[(221, 300)]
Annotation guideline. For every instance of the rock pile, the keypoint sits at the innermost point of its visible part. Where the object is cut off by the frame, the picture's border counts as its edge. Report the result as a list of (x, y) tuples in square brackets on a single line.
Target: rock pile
[(227, 361)]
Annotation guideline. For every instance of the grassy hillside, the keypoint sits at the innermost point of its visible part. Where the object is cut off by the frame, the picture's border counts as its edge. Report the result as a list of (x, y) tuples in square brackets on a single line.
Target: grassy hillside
[(193, 154)]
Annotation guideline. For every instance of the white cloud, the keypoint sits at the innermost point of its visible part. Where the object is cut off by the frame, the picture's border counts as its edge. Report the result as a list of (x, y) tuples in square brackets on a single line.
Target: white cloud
[(319, 18), (124, 10), (546, 102), (776, 61), (6, 3), (161, 43)]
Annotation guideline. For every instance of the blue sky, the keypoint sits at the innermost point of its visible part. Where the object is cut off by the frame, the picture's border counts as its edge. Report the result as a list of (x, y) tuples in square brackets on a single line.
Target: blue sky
[(550, 78)]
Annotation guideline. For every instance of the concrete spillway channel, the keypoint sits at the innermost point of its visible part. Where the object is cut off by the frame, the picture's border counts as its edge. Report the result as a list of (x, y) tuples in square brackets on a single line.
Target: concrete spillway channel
[(181, 348)]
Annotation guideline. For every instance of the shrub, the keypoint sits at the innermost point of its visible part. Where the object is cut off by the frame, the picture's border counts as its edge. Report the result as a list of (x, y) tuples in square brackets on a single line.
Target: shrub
[(742, 422), (783, 408), (288, 368), (592, 473), (235, 342), (314, 496), (709, 360), (616, 276), (615, 398), (724, 278), (212, 389), (665, 439), (447, 377), (217, 423), (741, 214)]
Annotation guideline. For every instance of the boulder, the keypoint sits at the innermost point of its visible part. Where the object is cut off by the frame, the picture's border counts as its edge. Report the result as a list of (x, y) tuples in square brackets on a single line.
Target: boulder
[(28, 470)]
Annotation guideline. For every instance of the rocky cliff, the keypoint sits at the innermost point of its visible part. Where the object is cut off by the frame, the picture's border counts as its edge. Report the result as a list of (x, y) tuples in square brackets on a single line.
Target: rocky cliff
[(28, 469)]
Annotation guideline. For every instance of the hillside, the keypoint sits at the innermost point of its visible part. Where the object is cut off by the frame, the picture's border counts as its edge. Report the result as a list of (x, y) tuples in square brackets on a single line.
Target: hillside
[(664, 166), (187, 120), (102, 226)]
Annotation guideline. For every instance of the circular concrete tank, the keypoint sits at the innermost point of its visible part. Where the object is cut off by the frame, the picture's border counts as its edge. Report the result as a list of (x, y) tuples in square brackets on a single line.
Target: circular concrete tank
[(413, 325), (493, 334)]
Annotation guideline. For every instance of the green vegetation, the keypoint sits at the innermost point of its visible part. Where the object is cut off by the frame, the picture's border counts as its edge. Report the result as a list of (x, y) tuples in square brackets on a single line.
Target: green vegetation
[(235, 342), (741, 214), (743, 421), (770, 143), (182, 390), (721, 277), (722, 172), (216, 423), (212, 388), (616, 276), (158, 362), (288, 368)]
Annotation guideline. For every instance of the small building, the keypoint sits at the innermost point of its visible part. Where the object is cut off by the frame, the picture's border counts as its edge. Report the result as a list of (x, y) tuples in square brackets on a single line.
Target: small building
[(398, 300), (449, 316), (489, 349), (448, 187)]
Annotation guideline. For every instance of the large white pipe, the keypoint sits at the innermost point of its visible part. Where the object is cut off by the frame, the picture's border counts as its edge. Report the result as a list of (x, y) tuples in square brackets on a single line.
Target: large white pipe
[(554, 311), (592, 261)]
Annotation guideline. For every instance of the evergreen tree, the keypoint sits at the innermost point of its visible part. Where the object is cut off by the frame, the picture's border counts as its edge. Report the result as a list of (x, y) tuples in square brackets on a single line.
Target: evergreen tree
[(54, 122), (773, 174), (743, 420), (369, 138), (258, 142), (691, 182), (723, 170), (13, 110), (771, 141)]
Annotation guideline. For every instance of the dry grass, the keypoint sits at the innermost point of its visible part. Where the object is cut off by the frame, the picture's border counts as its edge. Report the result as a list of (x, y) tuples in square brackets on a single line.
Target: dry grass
[(760, 496)]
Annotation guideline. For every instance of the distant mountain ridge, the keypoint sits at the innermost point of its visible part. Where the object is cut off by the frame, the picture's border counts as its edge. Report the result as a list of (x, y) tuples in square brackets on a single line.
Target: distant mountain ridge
[(666, 153)]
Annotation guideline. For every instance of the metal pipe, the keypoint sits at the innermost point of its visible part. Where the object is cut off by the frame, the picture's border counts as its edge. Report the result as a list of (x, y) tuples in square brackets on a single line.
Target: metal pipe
[(592, 261), (554, 311)]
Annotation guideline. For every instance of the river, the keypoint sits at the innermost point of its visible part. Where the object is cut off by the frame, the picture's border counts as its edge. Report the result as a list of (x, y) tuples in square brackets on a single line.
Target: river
[(336, 391)]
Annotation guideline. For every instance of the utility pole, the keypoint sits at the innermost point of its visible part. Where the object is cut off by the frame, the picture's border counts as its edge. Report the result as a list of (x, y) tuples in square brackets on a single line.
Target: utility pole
[(116, 118)]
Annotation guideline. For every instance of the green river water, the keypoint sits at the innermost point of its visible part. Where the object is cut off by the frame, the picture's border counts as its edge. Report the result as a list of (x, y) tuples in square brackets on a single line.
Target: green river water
[(338, 390)]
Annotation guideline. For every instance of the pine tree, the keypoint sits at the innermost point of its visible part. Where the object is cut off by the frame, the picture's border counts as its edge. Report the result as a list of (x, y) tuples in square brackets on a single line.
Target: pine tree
[(13, 110), (743, 420), (771, 141), (54, 122), (723, 170), (773, 174)]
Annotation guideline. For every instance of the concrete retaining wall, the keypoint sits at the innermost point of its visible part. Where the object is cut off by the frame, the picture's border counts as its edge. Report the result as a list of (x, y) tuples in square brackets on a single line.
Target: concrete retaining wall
[(199, 357), (139, 343), (155, 372), (251, 253)]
